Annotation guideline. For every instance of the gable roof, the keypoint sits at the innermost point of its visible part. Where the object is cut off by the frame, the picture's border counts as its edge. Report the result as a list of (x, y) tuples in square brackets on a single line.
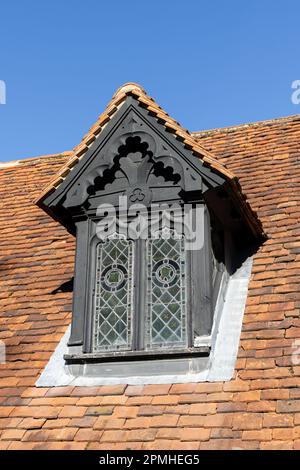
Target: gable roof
[(172, 126)]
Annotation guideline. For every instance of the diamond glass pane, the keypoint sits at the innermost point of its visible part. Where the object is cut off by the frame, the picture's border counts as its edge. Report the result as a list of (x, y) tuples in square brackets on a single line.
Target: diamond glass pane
[(113, 296), (166, 293)]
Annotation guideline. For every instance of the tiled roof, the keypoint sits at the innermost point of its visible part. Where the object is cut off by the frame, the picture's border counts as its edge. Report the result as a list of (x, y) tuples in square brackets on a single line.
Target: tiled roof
[(183, 135), (258, 409)]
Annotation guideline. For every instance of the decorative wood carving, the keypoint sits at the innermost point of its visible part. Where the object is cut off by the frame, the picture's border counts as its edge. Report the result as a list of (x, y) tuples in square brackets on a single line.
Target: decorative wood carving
[(135, 156)]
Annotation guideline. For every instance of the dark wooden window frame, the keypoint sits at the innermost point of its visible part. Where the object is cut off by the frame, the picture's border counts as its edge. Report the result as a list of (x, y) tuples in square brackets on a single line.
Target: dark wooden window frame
[(199, 298)]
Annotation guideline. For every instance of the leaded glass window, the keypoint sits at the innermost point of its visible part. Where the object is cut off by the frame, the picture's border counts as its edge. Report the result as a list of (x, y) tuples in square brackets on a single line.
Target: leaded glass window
[(151, 295), (113, 295), (166, 292)]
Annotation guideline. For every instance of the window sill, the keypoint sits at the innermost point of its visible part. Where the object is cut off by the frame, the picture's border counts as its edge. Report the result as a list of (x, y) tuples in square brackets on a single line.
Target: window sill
[(127, 356)]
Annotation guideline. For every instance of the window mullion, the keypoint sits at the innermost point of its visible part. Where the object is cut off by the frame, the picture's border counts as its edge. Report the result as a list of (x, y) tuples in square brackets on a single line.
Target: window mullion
[(139, 295), (189, 303)]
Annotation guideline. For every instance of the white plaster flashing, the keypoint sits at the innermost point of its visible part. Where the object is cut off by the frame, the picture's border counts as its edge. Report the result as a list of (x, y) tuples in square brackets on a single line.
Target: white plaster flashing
[(225, 342), (228, 326)]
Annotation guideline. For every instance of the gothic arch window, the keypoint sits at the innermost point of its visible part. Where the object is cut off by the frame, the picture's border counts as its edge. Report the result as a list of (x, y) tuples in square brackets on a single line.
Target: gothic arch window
[(151, 294), (113, 296), (166, 293), (141, 293)]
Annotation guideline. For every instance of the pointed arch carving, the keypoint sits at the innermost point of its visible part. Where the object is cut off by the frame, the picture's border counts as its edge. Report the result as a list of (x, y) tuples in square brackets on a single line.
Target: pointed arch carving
[(135, 162)]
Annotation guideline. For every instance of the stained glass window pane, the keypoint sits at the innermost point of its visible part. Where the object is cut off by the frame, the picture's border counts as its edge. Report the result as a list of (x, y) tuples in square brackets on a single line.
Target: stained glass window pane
[(166, 293), (113, 295)]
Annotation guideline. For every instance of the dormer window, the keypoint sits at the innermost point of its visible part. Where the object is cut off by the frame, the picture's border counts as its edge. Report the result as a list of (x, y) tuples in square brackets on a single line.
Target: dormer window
[(155, 296)]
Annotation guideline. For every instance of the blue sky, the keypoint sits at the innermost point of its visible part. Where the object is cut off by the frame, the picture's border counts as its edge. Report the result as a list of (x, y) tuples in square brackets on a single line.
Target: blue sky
[(209, 64)]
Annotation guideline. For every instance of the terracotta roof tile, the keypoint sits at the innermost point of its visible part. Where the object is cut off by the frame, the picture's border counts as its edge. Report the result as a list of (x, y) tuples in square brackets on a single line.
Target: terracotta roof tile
[(258, 409)]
